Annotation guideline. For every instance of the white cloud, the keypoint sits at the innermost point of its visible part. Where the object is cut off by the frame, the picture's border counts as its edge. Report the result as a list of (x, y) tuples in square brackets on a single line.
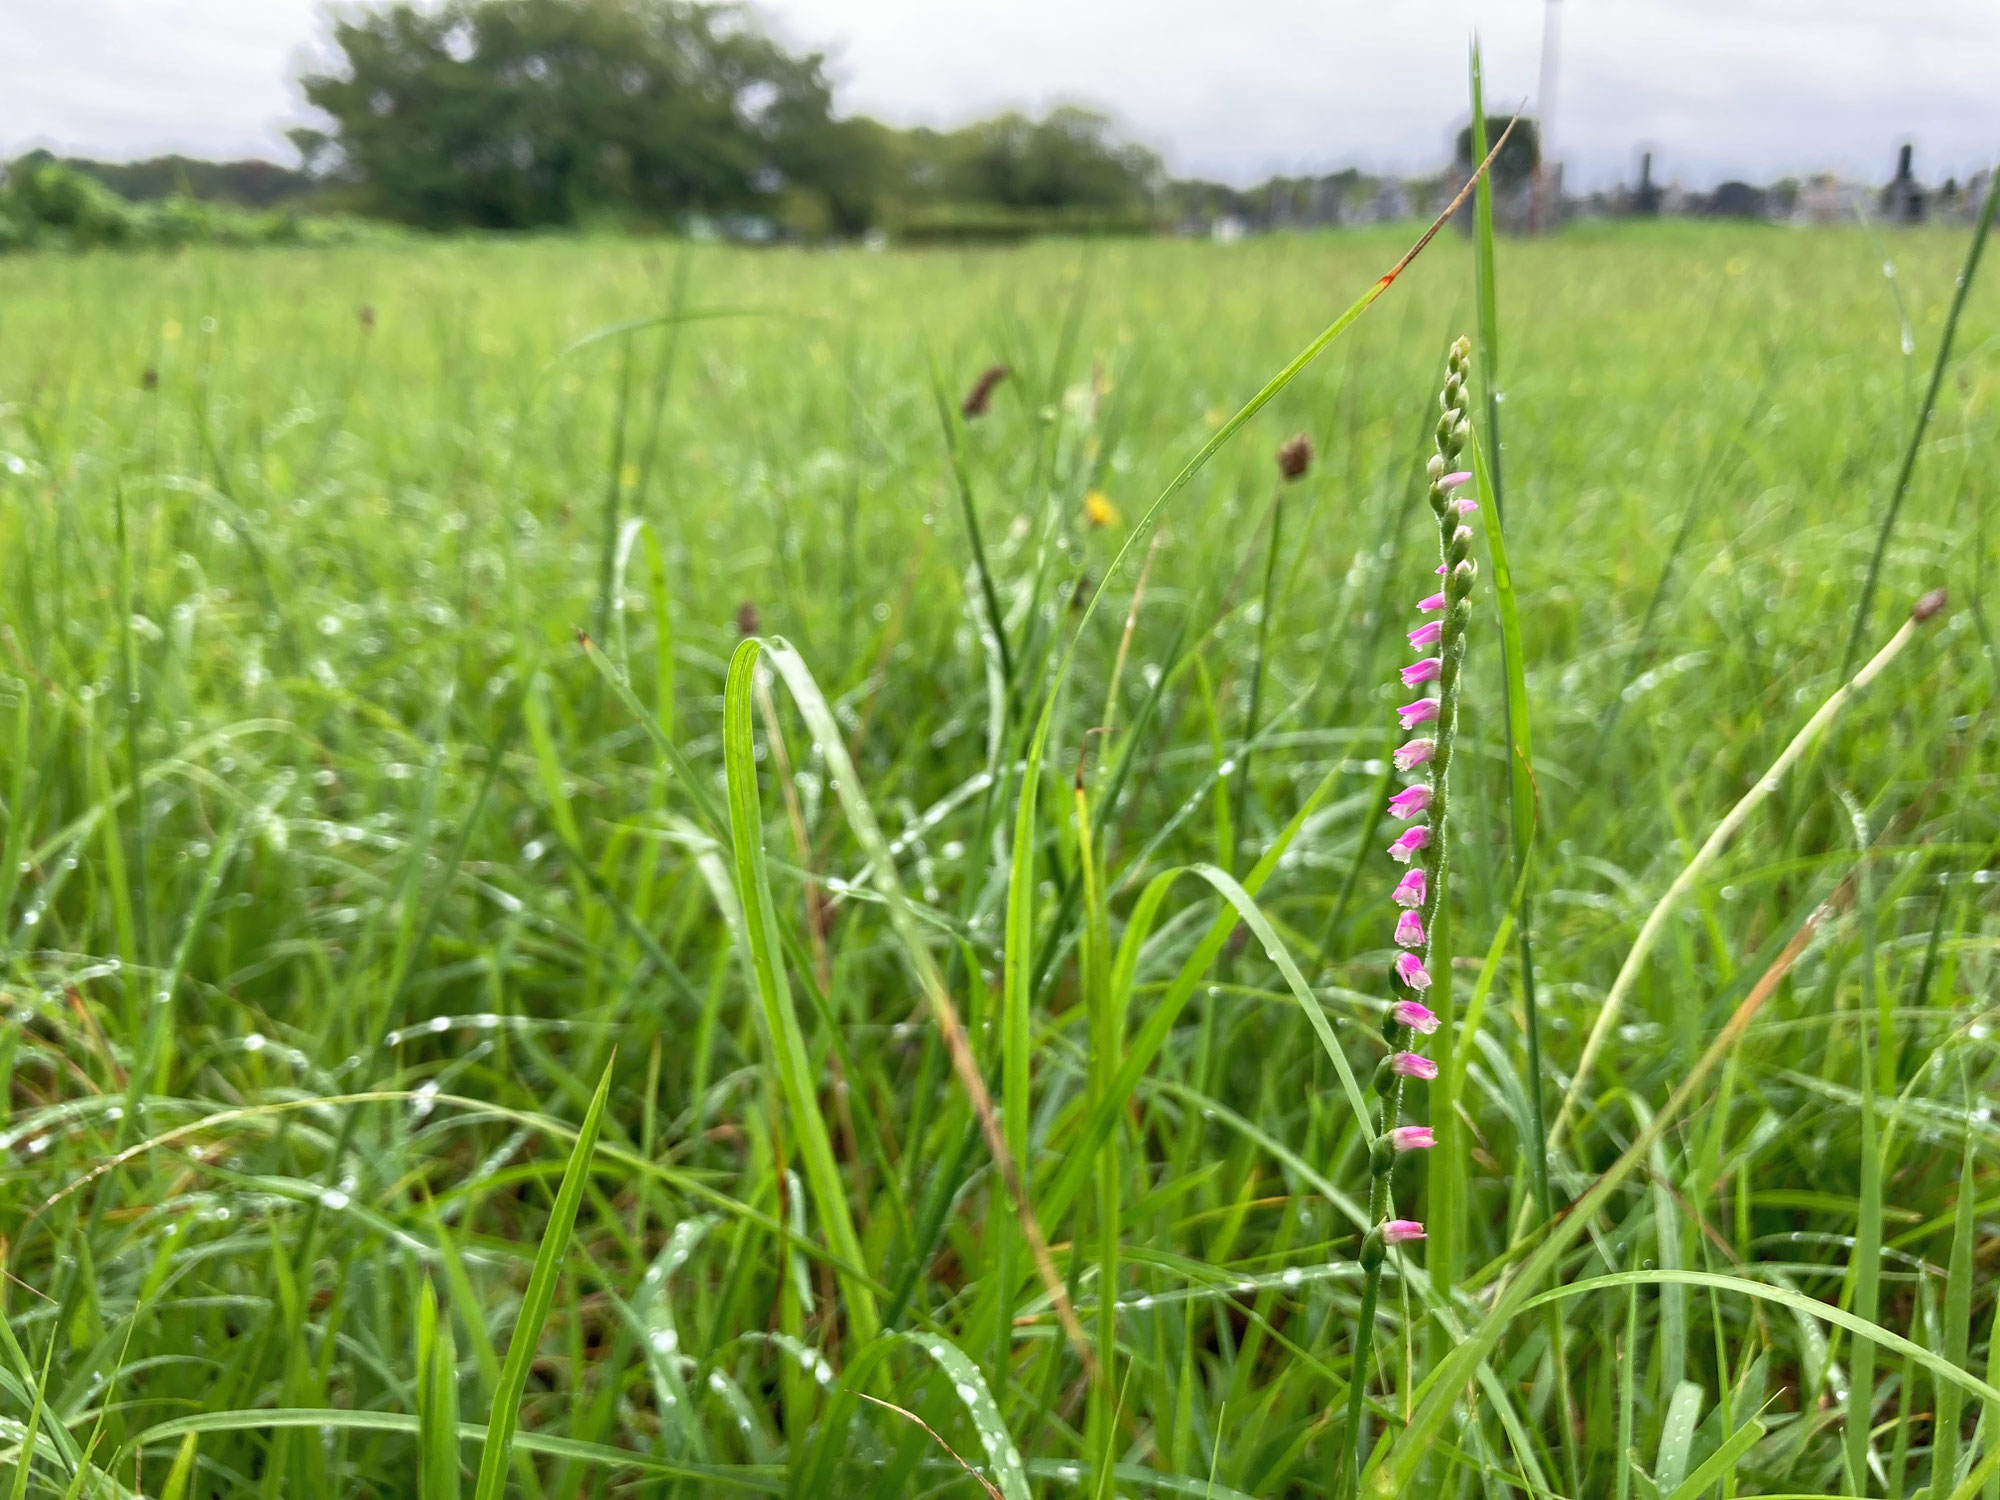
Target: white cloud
[(1717, 88)]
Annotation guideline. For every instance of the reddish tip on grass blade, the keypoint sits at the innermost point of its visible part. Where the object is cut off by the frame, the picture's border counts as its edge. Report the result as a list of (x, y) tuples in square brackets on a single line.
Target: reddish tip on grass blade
[(1451, 208)]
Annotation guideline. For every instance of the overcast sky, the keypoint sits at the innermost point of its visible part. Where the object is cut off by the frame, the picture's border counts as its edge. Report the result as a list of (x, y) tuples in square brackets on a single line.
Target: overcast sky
[(1233, 89)]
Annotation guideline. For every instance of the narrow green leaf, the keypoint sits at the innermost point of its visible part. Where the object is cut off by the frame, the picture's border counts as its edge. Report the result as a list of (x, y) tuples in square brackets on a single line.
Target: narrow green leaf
[(790, 1061), (505, 1415), (1720, 1464), (1677, 1436), (182, 1472), (1959, 1276), (437, 1402)]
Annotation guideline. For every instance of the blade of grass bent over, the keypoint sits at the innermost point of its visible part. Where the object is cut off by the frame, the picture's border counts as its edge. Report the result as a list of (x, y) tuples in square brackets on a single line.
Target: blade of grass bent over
[(1711, 850), (1392, 1472)]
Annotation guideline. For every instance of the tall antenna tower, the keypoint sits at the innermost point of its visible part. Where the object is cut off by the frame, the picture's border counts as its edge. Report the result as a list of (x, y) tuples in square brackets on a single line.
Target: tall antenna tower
[(1546, 209)]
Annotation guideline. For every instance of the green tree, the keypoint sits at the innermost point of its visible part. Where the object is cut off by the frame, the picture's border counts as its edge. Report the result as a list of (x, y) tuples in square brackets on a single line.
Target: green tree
[(1516, 162), (519, 113), (1066, 160)]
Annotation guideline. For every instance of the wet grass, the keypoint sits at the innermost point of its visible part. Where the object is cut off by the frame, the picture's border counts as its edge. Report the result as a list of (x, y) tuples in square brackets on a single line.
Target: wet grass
[(339, 873)]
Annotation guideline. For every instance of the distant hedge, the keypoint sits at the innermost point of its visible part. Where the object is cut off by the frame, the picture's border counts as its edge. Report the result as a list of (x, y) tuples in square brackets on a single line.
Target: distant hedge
[(986, 223), (46, 205)]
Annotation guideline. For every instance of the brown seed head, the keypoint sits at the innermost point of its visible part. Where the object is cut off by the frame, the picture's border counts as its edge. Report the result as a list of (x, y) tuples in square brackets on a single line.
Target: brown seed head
[(149, 379), (1295, 456), (981, 395), (367, 316), (747, 620), (1929, 605)]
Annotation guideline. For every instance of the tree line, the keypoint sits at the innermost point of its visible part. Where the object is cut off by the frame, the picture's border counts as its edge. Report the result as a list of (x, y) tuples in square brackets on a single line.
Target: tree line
[(523, 114)]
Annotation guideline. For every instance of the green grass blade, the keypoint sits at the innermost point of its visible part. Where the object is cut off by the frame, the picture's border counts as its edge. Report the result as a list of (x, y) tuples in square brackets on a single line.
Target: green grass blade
[(1390, 1473), (1677, 1436), (784, 1036), (182, 1473), (505, 1414), (437, 1402), (1720, 1464), (1959, 1275), (1921, 422)]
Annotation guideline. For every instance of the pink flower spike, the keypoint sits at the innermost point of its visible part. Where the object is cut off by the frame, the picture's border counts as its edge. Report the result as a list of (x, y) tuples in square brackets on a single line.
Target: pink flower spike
[(1414, 754), (1411, 1065), (1409, 890), (1436, 601), (1419, 1018), (1410, 801), (1426, 634), (1453, 481), (1420, 712), (1412, 1138), (1409, 930), (1396, 1231), (1410, 969), (1408, 843)]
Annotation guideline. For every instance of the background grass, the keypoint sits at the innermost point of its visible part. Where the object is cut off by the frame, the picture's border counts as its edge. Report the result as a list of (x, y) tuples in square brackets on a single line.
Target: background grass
[(335, 870)]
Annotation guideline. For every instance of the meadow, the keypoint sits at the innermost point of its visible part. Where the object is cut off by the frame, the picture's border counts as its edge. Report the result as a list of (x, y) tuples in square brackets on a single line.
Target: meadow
[(450, 978)]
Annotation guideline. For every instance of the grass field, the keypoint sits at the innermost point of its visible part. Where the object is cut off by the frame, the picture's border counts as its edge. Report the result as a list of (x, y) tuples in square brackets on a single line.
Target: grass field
[(339, 873)]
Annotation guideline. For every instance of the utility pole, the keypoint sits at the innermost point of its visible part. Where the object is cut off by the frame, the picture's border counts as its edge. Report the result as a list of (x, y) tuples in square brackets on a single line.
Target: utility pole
[(1546, 209)]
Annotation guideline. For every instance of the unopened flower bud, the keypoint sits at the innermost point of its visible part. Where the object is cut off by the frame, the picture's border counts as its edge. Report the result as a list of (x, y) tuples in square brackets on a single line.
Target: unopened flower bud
[(1295, 456)]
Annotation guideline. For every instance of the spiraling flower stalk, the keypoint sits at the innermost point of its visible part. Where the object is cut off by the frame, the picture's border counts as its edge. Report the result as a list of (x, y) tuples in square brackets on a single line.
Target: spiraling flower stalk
[(1424, 847)]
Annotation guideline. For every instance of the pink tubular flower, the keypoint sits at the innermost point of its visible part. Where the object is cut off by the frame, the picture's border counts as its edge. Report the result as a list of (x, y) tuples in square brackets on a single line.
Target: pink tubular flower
[(1466, 507), (1426, 634), (1410, 1065), (1435, 601), (1396, 1231), (1442, 568), (1408, 843), (1409, 930), (1410, 969), (1412, 1138), (1453, 481), (1419, 1018), (1410, 801), (1420, 712), (1420, 672), (1414, 754), (1409, 890)]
